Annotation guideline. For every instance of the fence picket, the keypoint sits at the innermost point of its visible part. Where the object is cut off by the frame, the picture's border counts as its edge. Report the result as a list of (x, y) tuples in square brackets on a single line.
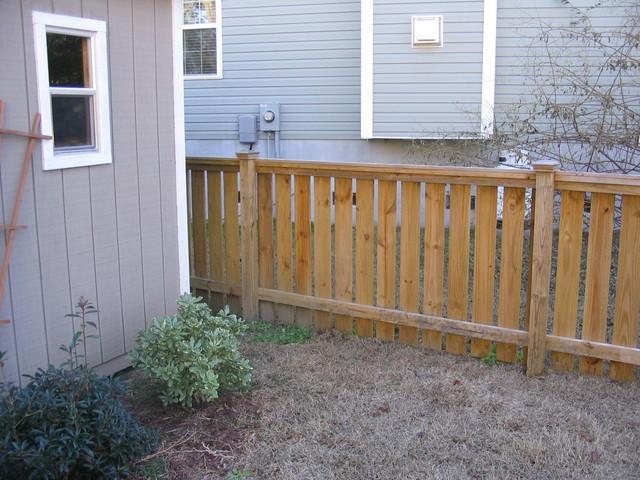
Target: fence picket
[(434, 259), (458, 287), (510, 267), (625, 325), (284, 313), (232, 234), (265, 242), (343, 248), (568, 274), (386, 256), (216, 258), (596, 294), (364, 252), (199, 225), (302, 185), (322, 246), (409, 256), (484, 264)]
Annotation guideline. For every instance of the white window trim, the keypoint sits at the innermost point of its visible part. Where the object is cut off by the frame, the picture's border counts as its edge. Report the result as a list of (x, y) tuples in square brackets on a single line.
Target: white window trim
[(366, 70), (218, 26), (96, 30), (488, 67)]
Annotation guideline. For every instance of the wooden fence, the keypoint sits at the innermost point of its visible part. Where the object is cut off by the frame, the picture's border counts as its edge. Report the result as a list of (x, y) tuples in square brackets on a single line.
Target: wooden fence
[(459, 259)]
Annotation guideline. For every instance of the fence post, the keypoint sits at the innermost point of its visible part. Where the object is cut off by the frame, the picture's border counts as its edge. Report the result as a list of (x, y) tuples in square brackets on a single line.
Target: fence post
[(249, 237), (540, 265)]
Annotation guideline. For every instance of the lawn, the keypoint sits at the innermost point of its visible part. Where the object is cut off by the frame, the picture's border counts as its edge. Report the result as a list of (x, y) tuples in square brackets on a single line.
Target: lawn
[(334, 407)]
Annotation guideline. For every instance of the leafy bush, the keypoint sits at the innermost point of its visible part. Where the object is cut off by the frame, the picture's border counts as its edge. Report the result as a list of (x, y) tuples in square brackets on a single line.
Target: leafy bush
[(193, 354), (69, 423)]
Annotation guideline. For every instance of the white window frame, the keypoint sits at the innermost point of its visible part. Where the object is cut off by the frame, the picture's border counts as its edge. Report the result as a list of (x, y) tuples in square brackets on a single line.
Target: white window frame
[(201, 26), (96, 32)]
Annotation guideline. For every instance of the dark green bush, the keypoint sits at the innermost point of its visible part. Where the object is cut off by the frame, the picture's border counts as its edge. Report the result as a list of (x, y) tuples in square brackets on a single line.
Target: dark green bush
[(69, 423)]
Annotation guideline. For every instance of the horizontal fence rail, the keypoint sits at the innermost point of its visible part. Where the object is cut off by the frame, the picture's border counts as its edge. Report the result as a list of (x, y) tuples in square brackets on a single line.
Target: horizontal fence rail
[(540, 266)]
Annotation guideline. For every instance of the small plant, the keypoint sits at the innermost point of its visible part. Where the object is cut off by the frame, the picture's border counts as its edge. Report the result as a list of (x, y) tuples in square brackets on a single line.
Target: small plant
[(68, 421), (283, 335), (193, 354), (83, 309), (490, 358), (520, 356)]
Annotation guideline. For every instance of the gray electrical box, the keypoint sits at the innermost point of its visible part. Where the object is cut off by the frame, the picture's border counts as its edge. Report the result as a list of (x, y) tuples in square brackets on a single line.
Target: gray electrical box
[(270, 117), (248, 128)]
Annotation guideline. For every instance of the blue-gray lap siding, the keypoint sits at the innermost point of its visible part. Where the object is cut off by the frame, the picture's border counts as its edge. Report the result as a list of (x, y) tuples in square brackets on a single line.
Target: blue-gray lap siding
[(427, 91), (108, 232), (306, 55)]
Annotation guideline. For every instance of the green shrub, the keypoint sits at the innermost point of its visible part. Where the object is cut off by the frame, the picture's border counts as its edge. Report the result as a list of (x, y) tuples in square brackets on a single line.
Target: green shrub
[(193, 354), (69, 423), (282, 334)]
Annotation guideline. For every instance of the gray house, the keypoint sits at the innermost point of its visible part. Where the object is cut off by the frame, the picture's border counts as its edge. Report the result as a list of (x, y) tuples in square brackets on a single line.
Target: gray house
[(105, 197), (358, 80)]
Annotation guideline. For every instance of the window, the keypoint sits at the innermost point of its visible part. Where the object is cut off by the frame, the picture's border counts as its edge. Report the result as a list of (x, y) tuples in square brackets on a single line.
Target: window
[(73, 90), (202, 38)]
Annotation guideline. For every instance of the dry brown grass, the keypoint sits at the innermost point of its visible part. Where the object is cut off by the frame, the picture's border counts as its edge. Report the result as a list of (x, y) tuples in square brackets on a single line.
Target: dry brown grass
[(358, 409), (350, 408)]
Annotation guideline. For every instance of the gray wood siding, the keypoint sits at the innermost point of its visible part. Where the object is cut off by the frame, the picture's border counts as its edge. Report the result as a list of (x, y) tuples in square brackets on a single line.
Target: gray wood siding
[(306, 55), (302, 53), (427, 92), (107, 232), (519, 47)]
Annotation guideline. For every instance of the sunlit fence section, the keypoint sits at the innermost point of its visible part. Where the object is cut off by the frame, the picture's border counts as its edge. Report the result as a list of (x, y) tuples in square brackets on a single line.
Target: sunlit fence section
[(540, 266)]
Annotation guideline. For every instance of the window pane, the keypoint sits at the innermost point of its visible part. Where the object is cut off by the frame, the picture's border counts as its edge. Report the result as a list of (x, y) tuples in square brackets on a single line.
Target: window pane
[(68, 58), (200, 51), (72, 125), (199, 11)]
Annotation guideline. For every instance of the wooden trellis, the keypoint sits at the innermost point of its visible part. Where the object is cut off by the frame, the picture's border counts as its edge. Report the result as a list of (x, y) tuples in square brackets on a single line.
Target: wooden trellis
[(33, 135)]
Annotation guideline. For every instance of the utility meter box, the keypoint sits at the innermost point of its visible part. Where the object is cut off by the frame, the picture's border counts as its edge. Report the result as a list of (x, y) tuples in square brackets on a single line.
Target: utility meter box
[(270, 117), (248, 128)]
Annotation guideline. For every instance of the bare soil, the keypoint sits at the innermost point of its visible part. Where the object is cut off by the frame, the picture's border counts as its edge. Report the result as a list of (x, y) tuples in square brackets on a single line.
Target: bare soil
[(350, 408)]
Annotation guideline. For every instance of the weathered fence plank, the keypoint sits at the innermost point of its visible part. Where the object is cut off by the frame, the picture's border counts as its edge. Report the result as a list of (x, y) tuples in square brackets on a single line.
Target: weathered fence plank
[(510, 267), (386, 256), (322, 247), (216, 244), (484, 263), (409, 257), (265, 242), (459, 238), (596, 295), (434, 259), (231, 233), (344, 248), (364, 252), (283, 244), (625, 325), (568, 273), (302, 185)]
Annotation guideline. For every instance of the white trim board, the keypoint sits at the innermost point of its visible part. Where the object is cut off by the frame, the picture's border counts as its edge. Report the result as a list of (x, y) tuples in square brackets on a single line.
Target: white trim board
[(366, 69), (488, 67), (181, 165)]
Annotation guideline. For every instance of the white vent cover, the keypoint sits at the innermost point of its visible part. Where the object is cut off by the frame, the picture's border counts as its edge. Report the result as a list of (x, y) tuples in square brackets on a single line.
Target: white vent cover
[(426, 30)]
